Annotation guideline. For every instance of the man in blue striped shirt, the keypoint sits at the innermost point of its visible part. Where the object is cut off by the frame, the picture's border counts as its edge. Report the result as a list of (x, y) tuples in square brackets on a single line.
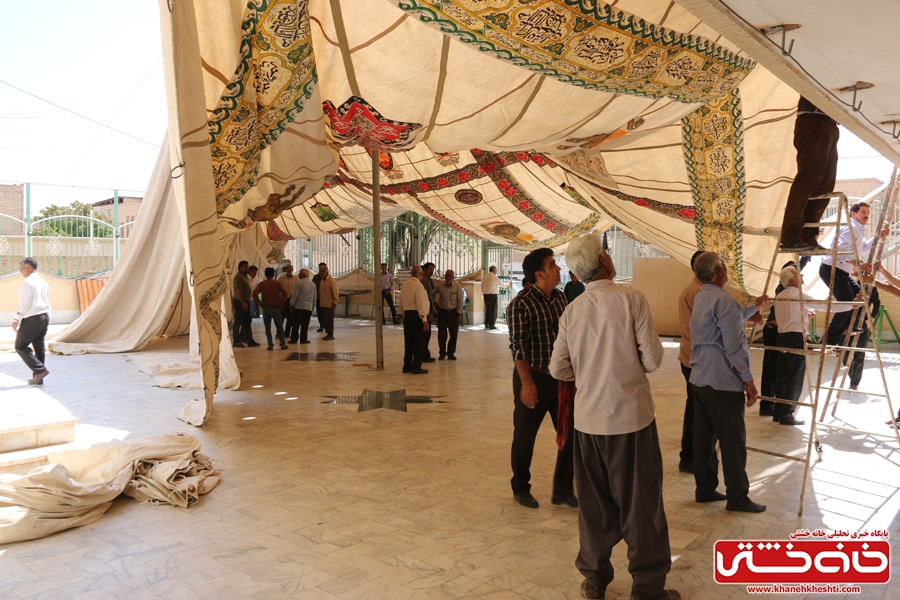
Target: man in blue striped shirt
[(720, 376)]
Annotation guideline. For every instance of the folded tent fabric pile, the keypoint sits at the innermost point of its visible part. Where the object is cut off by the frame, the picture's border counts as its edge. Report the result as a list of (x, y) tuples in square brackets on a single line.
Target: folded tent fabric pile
[(80, 485)]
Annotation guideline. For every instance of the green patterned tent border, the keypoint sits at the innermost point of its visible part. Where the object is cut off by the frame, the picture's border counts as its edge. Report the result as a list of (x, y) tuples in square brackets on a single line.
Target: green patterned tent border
[(713, 145), (236, 165), (591, 45)]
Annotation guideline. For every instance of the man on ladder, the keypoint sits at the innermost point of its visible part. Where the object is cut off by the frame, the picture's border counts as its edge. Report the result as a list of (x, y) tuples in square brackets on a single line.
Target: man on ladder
[(843, 286)]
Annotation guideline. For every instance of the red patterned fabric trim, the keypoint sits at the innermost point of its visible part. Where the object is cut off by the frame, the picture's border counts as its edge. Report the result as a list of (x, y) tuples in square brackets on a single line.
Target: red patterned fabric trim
[(357, 123), (275, 234), (688, 213)]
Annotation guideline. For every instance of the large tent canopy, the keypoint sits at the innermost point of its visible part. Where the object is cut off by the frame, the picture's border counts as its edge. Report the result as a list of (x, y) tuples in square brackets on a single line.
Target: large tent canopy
[(522, 122)]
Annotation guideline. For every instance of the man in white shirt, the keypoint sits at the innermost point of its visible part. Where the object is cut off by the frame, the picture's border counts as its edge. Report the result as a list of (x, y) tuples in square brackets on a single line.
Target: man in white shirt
[(490, 288), (32, 319), (302, 301), (844, 287), (415, 306), (387, 293), (792, 327), (607, 343)]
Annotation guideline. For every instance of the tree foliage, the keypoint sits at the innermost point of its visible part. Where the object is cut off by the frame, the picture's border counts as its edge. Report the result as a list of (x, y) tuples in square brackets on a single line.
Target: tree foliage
[(72, 220)]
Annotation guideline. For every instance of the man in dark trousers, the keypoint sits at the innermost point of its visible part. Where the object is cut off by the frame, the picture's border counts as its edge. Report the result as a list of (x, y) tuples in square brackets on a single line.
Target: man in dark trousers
[(533, 320), (415, 307), (862, 340), (607, 343), (720, 375), (273, 298), (387, 293), (792, 328), (770, 356), (842, 285), (32, 319), (815, 138), (428, 284), (317, 279), (448, 301), (240, 304), (685, 308)]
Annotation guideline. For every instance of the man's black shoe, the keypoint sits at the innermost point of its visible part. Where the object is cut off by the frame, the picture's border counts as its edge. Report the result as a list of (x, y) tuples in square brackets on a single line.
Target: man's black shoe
[(419, 372), (320, 329), (766, 412), (666, 595), (252, 344), (407, 369), (747, 505), (797, 246), (686, 466), (569, 500), (238, 345), (38, 378), (451, 357), (715, 497), (592, 592), (790, 421), (442, 357), (526, 499), (429, 359)]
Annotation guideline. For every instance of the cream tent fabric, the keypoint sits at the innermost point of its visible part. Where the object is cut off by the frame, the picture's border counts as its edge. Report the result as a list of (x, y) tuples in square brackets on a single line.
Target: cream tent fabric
[(80, 485), (144, 296), (517, 122), (147, 294)]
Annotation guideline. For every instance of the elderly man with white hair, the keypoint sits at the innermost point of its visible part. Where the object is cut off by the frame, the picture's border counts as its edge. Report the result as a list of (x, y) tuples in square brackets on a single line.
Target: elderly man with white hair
[(607, 344), (720, 374), (792, 327)]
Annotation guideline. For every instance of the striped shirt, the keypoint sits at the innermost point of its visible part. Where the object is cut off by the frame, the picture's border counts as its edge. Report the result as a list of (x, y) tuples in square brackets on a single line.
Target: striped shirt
[(533, 321)]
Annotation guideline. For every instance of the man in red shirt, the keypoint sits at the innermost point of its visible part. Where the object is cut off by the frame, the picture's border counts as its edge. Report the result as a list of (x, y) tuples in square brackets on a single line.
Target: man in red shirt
[(273, 297)]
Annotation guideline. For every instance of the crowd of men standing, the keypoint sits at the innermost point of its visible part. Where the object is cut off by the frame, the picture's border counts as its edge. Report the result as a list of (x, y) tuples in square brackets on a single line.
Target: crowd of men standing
[(288, 302)]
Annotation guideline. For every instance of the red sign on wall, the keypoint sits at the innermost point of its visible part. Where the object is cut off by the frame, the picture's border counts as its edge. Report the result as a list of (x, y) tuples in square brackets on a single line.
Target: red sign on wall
[(802, 561)]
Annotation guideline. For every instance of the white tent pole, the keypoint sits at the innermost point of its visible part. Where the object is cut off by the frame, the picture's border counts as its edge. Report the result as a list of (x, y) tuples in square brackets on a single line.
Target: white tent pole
[(376, 256)]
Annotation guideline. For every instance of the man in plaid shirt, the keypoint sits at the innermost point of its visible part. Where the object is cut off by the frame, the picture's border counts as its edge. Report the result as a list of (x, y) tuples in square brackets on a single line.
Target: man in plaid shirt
[(533, 320)]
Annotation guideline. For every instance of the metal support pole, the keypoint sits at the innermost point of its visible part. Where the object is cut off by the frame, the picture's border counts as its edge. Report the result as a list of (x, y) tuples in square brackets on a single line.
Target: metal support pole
[(376, 258), (484, 257), (116, 227), (27, 219), (418, 259)]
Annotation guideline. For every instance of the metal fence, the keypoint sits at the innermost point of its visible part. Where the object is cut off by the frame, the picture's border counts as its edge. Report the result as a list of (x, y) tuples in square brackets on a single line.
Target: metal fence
[(405, 242), (72, 241), (624, 249)]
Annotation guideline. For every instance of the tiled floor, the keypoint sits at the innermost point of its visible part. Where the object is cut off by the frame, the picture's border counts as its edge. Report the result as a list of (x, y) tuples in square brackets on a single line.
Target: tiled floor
[(322, 501)]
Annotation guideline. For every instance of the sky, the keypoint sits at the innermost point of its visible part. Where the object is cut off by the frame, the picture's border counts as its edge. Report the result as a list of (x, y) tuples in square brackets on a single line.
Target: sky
[(103, 61)]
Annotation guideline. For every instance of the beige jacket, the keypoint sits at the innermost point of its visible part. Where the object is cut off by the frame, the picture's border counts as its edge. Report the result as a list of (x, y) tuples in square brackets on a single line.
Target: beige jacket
[(328, 292)]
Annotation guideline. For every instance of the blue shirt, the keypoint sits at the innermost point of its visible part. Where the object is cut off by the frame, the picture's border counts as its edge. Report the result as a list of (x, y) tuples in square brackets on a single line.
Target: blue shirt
[(718, 342)]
